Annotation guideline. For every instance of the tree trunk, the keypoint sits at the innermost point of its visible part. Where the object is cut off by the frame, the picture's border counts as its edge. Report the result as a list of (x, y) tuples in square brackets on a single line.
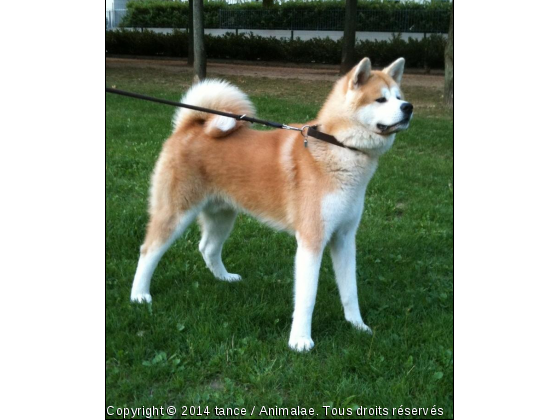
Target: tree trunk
[(349, 41), (199, 51), (448, 87), (190, 61)]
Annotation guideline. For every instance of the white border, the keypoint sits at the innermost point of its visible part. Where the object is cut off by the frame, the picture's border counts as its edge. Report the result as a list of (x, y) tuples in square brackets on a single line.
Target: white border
[(52, 173), (507, 153)]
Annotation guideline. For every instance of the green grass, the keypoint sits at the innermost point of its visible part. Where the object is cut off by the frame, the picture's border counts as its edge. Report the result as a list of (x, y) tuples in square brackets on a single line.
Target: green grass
[(208, 343)]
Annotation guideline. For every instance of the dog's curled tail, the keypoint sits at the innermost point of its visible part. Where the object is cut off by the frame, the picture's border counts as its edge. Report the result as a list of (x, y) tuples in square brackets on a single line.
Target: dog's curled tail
[(218, 95)]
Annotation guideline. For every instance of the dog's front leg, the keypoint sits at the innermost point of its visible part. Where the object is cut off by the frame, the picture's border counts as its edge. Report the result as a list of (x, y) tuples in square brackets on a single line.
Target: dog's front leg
[(343, 255), (308, 262)]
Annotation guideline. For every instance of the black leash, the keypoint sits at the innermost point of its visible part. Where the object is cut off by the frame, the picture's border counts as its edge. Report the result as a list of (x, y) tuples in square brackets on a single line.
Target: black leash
[(311, 130)]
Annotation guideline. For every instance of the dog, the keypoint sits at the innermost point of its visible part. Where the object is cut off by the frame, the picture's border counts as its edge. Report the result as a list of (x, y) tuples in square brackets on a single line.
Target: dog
[(212, 167)]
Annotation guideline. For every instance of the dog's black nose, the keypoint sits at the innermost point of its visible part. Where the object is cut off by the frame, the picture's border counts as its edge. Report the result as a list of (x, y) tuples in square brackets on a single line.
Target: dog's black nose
[(407, 108)]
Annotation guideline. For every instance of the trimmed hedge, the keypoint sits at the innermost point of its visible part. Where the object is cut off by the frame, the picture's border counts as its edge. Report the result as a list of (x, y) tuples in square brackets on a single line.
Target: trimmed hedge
[(427, 52), (167, 14), (311, 15)]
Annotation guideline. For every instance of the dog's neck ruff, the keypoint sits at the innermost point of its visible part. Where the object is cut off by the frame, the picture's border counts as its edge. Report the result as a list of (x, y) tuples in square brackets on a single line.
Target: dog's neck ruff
[(313, 132)]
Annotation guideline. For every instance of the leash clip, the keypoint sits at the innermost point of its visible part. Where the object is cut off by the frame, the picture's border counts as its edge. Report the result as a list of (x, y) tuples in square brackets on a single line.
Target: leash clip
[(304, 133), (289, 127)]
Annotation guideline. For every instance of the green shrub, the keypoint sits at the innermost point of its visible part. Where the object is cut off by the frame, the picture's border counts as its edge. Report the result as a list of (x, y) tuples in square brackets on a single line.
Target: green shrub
[(167, 14), (147, 43), (310, 15), (426, 52)]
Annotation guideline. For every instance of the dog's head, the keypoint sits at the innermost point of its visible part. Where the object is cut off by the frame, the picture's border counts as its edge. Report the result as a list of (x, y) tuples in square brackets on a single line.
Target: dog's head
[(367, 107), (378, 98)]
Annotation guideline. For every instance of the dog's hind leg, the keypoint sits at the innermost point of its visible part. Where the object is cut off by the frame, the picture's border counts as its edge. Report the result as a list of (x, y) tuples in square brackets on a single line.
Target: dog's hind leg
[(163, 230), (216, 222), (343, 255)]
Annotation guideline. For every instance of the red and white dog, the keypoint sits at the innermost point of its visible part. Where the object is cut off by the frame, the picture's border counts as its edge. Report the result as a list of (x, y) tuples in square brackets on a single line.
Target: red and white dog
[(212, 167)]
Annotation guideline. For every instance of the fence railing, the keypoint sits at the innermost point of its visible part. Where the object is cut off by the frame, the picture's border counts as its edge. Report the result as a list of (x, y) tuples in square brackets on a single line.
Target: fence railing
[(403, 21), (427, 21)]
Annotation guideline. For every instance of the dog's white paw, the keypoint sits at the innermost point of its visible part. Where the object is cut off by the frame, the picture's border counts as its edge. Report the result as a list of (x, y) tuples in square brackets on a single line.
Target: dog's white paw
[(230, 277), (361, 326), (301, 344), (141, 298)]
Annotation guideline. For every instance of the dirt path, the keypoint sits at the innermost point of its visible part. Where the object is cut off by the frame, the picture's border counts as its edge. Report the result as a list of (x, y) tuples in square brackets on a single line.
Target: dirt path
[(269, 70)]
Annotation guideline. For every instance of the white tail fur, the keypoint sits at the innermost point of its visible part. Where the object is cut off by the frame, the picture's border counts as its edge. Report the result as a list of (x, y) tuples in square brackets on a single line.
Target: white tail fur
[(214, 94)]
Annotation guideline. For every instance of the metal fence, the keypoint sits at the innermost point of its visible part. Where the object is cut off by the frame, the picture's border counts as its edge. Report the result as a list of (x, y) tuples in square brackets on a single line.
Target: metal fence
[(113, 18), (395, 21), (427, 21)]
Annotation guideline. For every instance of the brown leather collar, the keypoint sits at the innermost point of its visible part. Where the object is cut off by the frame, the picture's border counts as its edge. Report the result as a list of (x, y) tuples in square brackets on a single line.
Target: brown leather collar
[(313, 132)]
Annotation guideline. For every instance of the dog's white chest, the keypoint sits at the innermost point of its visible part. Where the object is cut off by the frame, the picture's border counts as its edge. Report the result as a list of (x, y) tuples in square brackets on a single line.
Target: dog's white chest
[(342, 208)]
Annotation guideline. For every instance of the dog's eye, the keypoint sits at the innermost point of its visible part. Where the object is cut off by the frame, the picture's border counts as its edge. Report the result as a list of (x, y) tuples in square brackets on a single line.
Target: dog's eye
[(381, 100), (399, 98)]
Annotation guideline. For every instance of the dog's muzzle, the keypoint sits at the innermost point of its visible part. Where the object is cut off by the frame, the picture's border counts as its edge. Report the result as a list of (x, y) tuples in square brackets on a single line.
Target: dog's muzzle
[(388, 129), (406, 109)]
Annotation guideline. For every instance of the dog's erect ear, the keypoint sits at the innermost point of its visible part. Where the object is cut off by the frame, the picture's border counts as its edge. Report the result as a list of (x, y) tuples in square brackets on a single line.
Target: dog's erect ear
[(395, 70), (360, 74)]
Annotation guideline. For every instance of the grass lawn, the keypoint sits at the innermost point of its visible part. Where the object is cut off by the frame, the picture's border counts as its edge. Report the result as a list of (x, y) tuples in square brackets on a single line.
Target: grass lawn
[(209, 343)]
